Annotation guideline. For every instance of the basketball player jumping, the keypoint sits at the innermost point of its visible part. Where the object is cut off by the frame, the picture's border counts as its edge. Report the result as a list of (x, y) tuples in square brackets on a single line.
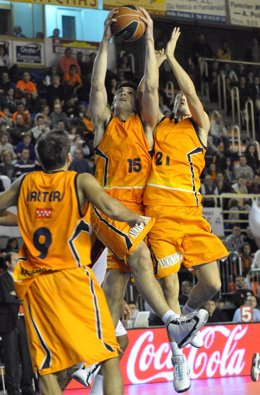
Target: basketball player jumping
[(180, 234)]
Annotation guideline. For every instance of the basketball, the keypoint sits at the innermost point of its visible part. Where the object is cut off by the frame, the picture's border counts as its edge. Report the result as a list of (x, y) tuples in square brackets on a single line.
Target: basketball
[(129, 26)]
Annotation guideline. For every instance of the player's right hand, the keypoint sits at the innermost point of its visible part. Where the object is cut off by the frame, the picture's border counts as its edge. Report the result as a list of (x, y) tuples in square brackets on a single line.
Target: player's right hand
[(107, 24), (171, 45)]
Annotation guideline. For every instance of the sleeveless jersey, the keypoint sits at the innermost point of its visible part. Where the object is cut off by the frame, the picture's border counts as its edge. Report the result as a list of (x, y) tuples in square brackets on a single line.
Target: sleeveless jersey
[(54, 231), (176, 166), (123, 160)]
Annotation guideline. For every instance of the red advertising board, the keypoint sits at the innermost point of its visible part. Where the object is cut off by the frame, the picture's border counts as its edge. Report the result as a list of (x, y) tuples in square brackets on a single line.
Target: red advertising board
[(227, 352)]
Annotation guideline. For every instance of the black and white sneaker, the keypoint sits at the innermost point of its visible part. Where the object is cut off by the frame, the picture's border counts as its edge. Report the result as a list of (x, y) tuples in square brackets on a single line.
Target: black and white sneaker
[(255, 368), (184, 328), (85, 375)]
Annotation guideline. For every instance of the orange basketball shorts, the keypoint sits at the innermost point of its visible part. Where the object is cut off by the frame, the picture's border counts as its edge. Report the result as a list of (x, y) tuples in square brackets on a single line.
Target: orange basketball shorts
[(120, 239), (68, 321), (181, 235)]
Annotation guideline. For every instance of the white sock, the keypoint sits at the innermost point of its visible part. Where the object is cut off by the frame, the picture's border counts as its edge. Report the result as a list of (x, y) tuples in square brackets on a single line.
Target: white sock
[(187, 310), (97, 388), (169, 316), (175, 349)]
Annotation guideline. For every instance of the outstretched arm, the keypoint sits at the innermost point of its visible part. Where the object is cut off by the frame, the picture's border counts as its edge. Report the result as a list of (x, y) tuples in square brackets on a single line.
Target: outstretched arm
[(8, 219), (150, 99), (9, 197), (92, 191), (186, 84), (98, 95)]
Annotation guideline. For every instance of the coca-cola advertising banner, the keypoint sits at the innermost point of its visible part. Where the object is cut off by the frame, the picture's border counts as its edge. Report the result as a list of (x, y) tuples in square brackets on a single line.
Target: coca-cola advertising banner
[(227, 351)]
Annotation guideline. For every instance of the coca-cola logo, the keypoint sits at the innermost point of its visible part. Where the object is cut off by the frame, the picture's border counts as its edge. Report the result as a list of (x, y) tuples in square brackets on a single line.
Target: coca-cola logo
[(149, 360)]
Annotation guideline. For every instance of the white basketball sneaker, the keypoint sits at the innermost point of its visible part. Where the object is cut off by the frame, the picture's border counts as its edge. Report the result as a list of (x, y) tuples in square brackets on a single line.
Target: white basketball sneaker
[(85, 375), (255, 368), (181, 378), (197, 341), (184, 328)]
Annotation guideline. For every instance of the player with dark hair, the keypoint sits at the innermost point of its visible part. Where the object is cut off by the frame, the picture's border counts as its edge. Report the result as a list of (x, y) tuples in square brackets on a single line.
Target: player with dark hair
[(67, 318)]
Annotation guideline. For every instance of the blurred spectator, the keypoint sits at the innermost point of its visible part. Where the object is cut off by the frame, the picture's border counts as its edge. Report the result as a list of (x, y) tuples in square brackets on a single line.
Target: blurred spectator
[(251, 156), (70, 107), (83, 65), (5, 144), (252, 53), (45, 112), (230, 73), (208, 187), (78, 143), (6, 164), (5, 61), (238, 211), (200, 48), (26, 143), (185, 292), (56, 34), (240, 186), (228, 169), (18, 366), (5, 82), (248, 312), (8, 101), (249, 238), (235, 241), (243, 170), (72, 81), (18, 31), (222, 185), (24, 164), (21, 110), (220, 304), (55, 90), (79, 164), (12, 245), (246, 259), (26, 88), (67, 60), (241, 291), (16, 132), (215, 315), (58, 115), (224, 52), (40, 127), (254, 187), (52, 72)]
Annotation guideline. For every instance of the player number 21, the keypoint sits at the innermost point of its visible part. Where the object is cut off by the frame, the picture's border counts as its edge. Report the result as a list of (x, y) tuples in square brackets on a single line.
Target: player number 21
[(160, 159)]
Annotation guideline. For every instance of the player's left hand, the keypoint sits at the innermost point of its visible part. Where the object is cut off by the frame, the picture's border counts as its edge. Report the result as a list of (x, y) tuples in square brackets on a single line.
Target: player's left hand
[(148, 21), (160, 56), (171, 45), (125, 312)]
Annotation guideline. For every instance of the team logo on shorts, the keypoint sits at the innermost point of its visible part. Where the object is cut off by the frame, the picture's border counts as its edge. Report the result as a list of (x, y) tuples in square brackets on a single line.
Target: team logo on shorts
[(138, 228), (170, 260)]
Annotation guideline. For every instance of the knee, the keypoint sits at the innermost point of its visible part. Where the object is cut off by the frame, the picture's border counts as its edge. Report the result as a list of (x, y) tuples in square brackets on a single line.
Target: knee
[(140, 259), (213, 287)]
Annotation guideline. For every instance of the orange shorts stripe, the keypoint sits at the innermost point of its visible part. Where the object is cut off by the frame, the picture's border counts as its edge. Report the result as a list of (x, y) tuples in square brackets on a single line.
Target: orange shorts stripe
[(118, 236), (181, 235), (68, 321)]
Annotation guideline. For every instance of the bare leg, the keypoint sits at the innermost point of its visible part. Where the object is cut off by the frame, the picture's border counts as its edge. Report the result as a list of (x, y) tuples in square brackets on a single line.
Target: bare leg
[(49, 385), (64, 376), (114, 287), (208, 285), (113, 383), (170, 287), (142, 267)]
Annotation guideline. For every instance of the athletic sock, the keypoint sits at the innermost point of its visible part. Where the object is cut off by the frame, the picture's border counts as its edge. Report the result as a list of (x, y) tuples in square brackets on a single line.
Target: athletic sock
[(97, 388), (169, 316), (188, 310), (175, 349)]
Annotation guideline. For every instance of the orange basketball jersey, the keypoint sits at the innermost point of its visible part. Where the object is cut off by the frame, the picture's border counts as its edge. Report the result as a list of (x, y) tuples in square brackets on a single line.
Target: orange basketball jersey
[(54, 231), (123, 160), (176, 165)]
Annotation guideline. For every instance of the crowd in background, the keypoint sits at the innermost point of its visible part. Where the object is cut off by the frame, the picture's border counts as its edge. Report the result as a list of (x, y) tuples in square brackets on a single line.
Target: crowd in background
[(33, 103)]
